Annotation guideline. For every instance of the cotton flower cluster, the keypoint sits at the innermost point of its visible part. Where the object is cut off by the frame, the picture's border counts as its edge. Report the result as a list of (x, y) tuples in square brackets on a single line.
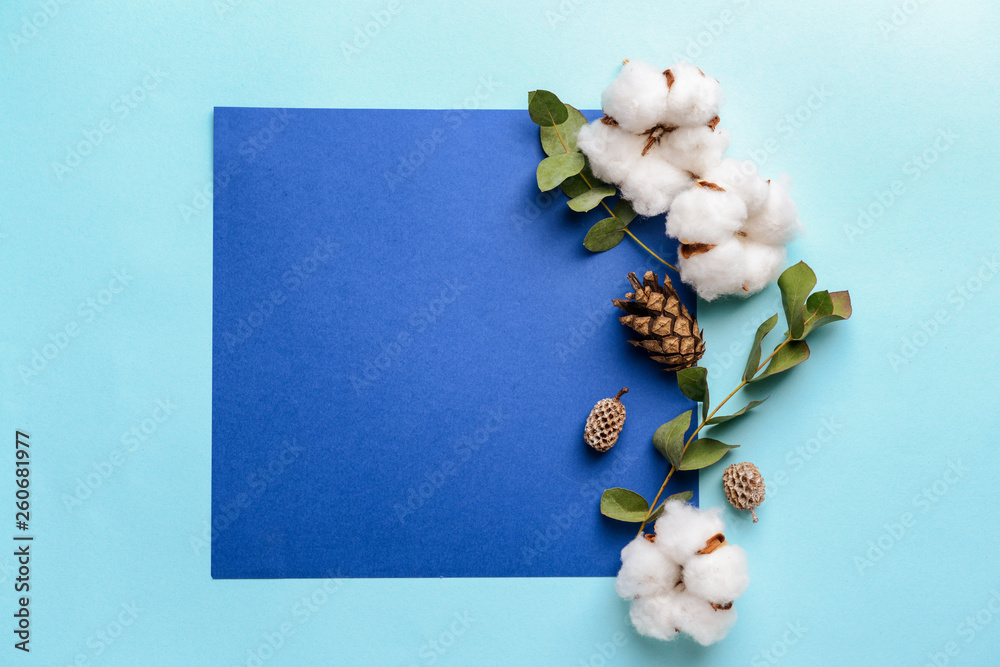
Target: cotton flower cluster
[(660, 142), (685, 579)]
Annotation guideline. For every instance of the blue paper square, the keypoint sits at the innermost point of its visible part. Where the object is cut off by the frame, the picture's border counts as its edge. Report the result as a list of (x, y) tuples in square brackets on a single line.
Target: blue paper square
[(407, 339)]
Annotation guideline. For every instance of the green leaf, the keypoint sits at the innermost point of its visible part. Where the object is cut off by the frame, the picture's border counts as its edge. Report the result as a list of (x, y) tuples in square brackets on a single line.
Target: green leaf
[(795, 284), (723, 419), (554, 170), (604, 235), (669, 438), (563, 141), (546, 109), (624, 505), (703, 452), (789, 356), (624, 212), (840, 309), (753, 361), (592, 198), (683, 496), (693, 383), (575, 186)]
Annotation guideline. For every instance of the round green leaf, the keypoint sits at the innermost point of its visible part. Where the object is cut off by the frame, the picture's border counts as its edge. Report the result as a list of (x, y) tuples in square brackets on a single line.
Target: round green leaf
[(703, 452), (683, 496), (669, 438), (604, 235), (561, 138), (795, 284), (545, 108), (592, 198), (624, 505), (554, 170)]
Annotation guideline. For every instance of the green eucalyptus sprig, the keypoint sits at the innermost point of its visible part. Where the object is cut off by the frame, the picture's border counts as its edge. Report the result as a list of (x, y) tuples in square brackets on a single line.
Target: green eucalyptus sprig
[(565, 166), (805, 311)]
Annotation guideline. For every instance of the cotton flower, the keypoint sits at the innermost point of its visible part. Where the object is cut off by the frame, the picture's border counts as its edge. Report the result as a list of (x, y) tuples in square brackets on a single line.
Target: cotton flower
[(660, 142), (683, 579)]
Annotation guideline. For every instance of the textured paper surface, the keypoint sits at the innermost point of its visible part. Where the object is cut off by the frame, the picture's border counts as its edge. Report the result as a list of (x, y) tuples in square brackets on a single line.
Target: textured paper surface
[(408, 338)]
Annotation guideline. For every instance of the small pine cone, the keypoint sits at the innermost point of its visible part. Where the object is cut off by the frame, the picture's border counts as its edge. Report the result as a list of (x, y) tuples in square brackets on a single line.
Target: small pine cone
[(605, 423), (744, 487), (666, 329)]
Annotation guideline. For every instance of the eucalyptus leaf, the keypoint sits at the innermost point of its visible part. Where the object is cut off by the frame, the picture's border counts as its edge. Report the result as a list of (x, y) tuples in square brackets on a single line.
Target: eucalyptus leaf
[(561, 138), (703, 452), (604, 235), (693, 383), (669, 438), (624, 505), (722, 419), (592, 198), (753, 361), (545, 108), (795, 284), (683, 496), (623, 211), (841, 310), (790, 355), (554, 170)]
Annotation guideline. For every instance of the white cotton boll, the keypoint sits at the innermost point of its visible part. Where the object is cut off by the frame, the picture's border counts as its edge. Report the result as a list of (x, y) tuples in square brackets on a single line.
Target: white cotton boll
[(694, 149), (697, 618), (645, 571), (612, 152), (741, 177), (763, 264), (719, 577), (637, 97), (652, 184), (694, 98), (720, 271), (655, 616), (777, 221), (704, 215), (683, 529)]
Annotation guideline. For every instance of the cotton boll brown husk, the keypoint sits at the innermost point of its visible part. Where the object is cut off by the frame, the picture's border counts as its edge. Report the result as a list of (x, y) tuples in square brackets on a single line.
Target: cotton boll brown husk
[(683, 529), (652, 184), (777, 221), (718, 272), (646, 571), (611, 151), (694, 149), (719, 577), (762, 264), (740, 177), (655, 616), (694, 98), (704, 215), (637, 97), (697, 618)]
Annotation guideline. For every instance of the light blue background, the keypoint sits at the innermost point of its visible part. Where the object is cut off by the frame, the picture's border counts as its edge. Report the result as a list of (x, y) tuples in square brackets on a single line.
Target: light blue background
[(138, 202)]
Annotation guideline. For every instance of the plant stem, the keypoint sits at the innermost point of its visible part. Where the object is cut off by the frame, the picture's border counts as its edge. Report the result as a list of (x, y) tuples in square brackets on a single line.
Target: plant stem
[(702, 425), (608, 208)]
